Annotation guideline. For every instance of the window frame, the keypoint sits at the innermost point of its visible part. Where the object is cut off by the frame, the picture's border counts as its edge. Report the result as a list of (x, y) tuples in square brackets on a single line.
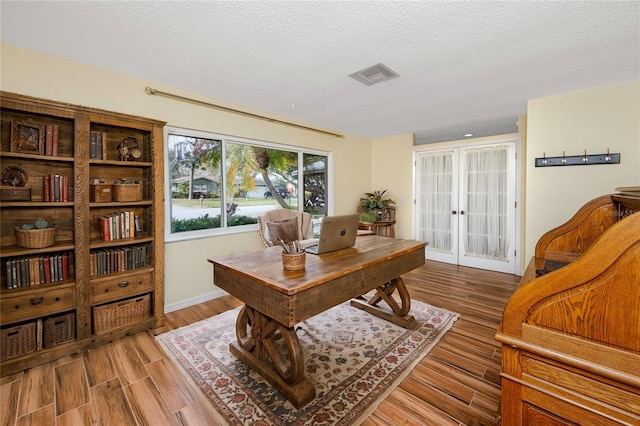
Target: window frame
[(224, 229)]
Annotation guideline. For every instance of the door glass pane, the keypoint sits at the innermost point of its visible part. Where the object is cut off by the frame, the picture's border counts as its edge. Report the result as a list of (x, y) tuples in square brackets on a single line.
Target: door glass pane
[(485, 224), (435, 192)]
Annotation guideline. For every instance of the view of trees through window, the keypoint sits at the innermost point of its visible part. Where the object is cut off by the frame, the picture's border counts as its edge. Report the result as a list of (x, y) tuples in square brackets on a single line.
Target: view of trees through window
[(222, 182)]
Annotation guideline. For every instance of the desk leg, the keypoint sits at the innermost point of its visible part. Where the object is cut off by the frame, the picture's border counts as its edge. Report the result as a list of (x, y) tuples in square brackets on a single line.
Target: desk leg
[(261, 343), (399, 314)]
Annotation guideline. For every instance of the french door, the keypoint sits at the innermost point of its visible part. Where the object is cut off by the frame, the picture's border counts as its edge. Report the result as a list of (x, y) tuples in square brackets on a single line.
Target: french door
[(466, 205)]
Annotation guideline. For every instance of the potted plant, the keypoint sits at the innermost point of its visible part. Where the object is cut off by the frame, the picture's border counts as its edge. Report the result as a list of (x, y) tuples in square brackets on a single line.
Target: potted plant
[(375, 203)]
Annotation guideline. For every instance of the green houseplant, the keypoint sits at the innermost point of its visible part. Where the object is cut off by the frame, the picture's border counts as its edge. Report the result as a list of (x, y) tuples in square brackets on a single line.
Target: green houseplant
[(372, 205)]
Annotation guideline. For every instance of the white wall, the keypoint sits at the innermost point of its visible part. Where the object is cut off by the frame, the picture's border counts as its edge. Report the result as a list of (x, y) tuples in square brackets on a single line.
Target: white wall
[(188, 275), (596, 119)]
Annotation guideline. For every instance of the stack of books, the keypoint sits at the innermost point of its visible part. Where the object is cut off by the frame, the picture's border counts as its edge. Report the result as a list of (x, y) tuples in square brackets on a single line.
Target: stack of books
[(33, 270), (113, 260), (119, 225)]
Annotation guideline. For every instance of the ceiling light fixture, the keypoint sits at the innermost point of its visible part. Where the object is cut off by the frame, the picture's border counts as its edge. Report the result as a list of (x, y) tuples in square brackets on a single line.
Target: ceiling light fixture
[(374, 74), (468, 135)]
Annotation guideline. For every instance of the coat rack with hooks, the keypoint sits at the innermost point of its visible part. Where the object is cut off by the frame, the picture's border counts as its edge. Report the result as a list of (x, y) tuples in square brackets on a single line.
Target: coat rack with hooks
[(578, 160)]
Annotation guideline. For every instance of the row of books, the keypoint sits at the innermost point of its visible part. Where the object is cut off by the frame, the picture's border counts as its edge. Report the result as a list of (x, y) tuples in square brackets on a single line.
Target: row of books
[(52, 140), (119, 225), (98, 145), (34, 270), (56, 188), (109, 261)]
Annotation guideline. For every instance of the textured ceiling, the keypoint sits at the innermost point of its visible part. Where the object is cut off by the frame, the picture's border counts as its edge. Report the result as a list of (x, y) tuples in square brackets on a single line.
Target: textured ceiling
[(464, 66)]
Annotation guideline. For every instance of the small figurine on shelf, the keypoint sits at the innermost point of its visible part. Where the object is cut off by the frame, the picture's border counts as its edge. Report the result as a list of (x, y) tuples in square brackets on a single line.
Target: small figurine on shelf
[(128, 149)]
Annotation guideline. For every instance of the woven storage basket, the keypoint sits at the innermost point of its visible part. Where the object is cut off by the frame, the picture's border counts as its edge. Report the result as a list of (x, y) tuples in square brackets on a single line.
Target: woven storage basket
[(118, 314), (294, 261), (127, 192), (35, 238), (17, 340), (59, 329)]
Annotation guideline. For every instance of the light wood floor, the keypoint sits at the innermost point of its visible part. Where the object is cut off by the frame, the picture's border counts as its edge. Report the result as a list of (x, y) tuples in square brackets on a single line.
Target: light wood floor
[(131, 382)]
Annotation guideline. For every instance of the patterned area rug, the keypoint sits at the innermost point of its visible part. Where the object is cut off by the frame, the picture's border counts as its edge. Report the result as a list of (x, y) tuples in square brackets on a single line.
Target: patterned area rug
[(353, 358)]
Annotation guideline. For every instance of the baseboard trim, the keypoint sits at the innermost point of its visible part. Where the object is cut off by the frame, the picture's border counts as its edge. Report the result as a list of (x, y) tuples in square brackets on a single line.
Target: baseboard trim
[(194, 301)]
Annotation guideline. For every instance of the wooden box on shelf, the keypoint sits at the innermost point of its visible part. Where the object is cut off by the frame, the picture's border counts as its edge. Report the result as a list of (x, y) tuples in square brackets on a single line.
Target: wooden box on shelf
[(15, 193), (100, 193)]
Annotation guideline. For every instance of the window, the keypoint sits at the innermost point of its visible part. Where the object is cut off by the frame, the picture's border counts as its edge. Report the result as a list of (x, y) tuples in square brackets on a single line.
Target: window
[(220, 184)]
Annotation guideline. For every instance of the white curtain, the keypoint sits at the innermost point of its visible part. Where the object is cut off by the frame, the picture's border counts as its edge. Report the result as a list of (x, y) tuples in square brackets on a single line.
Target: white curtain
[(485, 225), (434, 177)]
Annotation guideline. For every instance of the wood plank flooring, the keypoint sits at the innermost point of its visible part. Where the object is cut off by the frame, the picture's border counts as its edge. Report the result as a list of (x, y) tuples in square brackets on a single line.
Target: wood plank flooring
[(131, 382)]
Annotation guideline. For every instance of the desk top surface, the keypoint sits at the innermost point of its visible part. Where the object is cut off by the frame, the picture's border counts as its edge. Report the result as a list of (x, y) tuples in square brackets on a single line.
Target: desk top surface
[(265, 266)]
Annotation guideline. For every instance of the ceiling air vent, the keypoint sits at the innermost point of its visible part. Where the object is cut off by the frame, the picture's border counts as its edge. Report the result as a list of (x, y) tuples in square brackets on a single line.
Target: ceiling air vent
[(374, 74)]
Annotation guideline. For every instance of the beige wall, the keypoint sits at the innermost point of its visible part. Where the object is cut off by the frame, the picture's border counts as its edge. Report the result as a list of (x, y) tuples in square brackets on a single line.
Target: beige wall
[(392, 169), (596, 119), (188, 274)]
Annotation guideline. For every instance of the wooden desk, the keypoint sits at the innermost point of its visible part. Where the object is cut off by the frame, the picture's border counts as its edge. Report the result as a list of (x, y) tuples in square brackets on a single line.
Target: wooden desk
[(276, 300)]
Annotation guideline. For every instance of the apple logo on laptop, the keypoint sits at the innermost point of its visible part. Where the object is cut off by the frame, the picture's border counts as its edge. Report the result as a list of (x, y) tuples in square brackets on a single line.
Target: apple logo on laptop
[(343, 232)]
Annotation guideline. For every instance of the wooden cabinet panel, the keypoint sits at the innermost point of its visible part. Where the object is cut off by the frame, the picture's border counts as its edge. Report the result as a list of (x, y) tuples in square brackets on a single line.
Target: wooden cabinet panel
[(120, 287), (34, 305), (571, 337)]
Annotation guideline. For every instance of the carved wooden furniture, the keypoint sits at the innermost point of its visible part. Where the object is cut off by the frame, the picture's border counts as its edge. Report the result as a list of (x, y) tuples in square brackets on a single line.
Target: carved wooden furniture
[(83, 304), (571, 337), (276, 300)]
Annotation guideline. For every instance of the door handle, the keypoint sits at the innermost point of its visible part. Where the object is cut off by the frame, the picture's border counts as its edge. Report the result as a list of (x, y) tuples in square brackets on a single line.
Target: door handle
[(461, 212), (454, 212)]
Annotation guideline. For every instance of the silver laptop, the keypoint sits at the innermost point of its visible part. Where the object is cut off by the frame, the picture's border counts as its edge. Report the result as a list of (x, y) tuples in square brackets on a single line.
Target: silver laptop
[(337, 232)]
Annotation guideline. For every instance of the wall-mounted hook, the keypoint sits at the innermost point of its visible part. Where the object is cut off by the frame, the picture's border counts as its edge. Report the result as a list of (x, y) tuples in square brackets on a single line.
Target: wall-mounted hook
[(578, 160)]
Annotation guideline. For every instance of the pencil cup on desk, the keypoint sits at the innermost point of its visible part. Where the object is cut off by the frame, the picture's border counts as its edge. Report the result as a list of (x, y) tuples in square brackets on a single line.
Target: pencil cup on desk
[(293, 261)]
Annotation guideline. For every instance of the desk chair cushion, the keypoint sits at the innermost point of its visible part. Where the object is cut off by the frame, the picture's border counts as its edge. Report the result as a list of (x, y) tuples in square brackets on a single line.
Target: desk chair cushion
[(277, 215), (285, 230)]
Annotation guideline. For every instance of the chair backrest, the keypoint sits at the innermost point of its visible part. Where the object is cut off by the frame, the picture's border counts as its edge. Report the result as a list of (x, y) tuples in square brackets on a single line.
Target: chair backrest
[(277, 215)]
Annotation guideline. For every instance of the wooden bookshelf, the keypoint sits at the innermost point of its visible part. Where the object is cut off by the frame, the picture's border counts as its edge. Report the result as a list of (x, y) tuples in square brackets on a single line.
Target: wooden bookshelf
[(131, 152)]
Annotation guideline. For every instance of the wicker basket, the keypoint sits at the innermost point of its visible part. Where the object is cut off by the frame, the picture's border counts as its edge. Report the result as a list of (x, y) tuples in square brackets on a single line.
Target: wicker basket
[(35, 238), (59, 329), (294, 261), (17, 340), (118, 314), (127, 192)]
